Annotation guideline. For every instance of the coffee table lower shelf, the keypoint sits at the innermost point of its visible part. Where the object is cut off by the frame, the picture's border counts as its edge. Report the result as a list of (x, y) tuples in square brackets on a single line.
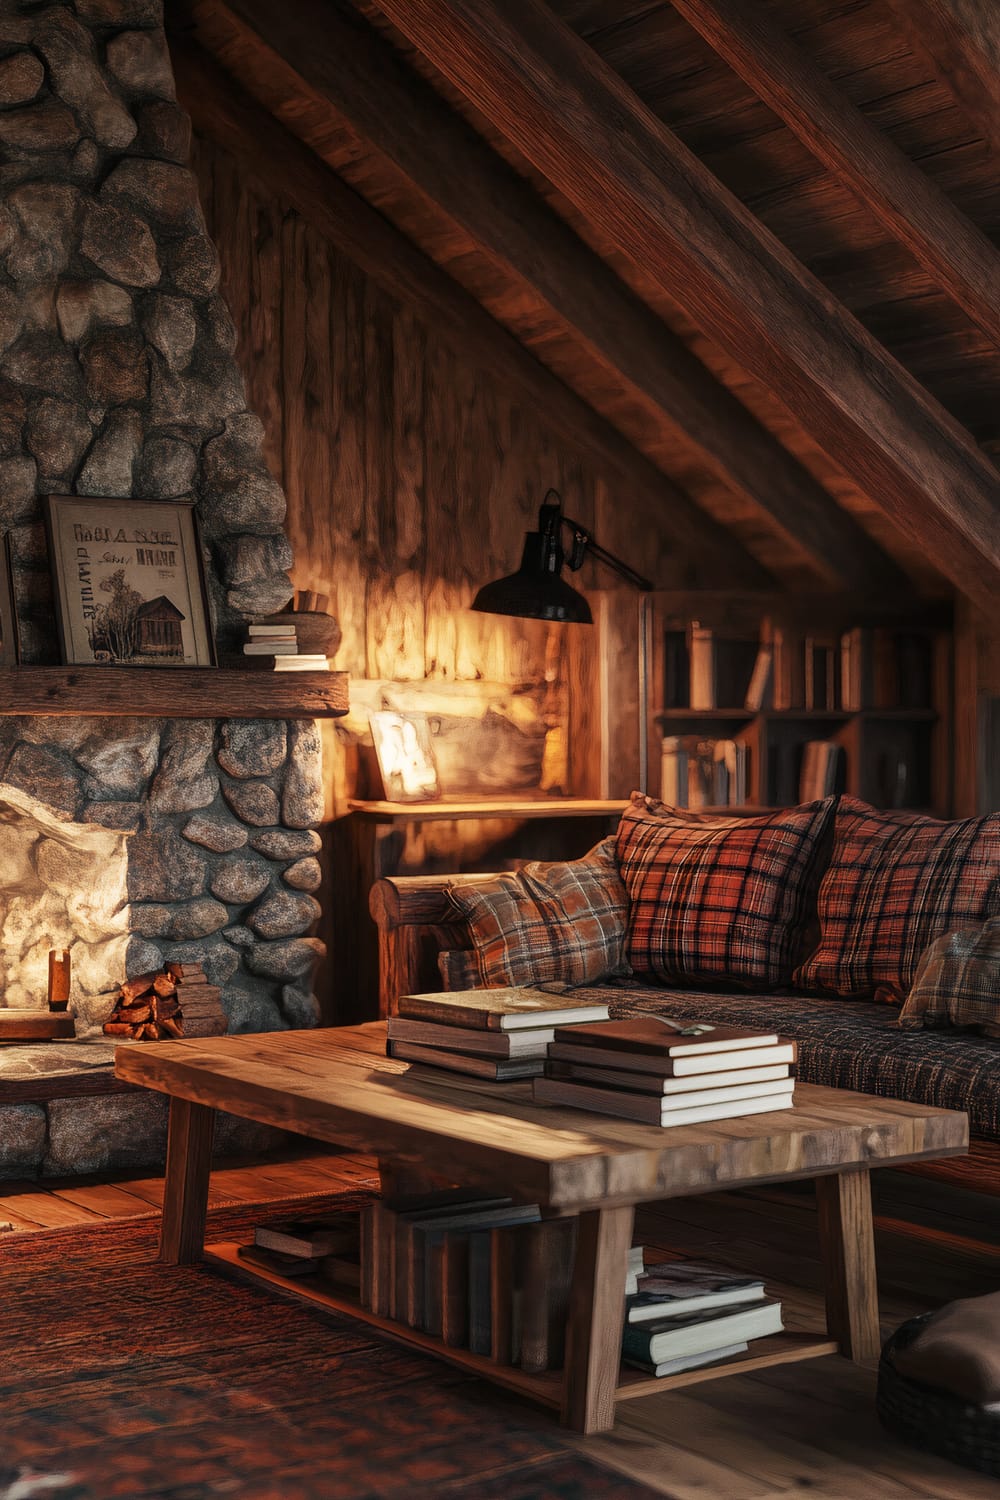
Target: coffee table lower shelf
[(547, 1388)]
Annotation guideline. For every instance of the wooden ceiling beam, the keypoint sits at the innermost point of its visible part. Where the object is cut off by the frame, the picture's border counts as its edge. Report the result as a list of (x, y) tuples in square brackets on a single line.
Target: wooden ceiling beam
[(961, 40), (960, 259), (329, 54), (578, 122), (219, 109)]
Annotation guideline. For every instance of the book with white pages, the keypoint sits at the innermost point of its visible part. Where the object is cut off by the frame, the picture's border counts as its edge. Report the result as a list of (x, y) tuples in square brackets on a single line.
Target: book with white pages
[(673, 1067), (687, 1361), (691, 1098), (648, 1109), (529, 1041), (666, 1036), (660, 1083), (689, 1287), (672, 1337)]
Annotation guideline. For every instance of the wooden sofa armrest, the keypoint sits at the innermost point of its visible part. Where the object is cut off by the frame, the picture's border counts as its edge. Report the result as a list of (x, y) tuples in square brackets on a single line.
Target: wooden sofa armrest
[(415, 922)]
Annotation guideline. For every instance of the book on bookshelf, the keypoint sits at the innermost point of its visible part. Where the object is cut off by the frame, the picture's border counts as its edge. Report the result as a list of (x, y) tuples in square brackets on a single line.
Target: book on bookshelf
[(649, 1109), (760, 689), (687, 1361), (528, 1041), (309, 1238), (677, 1335), (284, 647), (676, 670), (821, 663), (659, 1082), (666, 1036), (788, 673), (510, 1009), (699, 1066), (701, 651), (689, 1287), (500, 1069), (696, 772), (818, 777)]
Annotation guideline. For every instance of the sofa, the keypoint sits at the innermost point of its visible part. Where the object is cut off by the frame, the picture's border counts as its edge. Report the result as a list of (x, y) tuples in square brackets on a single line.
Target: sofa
[(813, 921)]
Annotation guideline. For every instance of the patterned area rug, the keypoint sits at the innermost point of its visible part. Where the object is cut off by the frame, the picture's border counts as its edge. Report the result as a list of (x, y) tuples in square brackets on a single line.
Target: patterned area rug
[(123, 1378)]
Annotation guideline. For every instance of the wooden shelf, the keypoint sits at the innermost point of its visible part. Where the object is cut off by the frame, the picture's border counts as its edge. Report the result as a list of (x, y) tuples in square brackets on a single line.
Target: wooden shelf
[(547, 1388), (172, 692), (486, 807)]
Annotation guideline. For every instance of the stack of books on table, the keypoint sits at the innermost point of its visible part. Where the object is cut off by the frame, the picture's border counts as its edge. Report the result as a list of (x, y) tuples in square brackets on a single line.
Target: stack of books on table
[(499, 1034), (668, 1072), (684, 1314), (275, 648)]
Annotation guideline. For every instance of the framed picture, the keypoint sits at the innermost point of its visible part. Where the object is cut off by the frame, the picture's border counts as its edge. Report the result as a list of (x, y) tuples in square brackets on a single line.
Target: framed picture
[(8, 615), (129, 584), (405, 756)]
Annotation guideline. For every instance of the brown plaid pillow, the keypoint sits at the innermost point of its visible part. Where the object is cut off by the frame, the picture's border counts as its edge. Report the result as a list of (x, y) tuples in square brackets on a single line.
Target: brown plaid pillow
[(459, 969), (895, 882), (553, 920), (723, 900), (958, 981)]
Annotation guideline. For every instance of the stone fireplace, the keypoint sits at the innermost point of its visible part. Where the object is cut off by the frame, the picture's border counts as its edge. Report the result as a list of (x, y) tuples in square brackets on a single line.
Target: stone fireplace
[(133, 841)]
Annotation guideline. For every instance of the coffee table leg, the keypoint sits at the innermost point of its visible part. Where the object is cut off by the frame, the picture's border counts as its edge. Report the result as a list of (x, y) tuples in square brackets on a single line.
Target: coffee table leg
[(185, 1195), (847, 1248), (597, 1307)]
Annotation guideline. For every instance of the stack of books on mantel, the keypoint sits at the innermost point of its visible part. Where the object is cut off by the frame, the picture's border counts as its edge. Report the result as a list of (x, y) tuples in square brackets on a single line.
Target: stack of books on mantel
[(680, 1315), (275, 648), (664, 1071), (500, 1034)]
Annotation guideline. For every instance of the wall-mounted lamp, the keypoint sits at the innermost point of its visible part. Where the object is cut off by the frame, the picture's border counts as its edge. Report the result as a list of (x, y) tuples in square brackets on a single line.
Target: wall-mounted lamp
[(537, 592)]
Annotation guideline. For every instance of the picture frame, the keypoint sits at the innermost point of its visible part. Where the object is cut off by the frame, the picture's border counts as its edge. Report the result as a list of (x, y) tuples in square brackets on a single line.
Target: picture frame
[(10, 653), (128, 581), (405, 754)]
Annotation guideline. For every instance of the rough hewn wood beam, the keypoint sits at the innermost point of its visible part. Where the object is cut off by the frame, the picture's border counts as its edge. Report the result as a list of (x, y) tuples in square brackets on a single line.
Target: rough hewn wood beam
[(961, 39), (580, 124), (324, 52), (705, 550), (961, 260)]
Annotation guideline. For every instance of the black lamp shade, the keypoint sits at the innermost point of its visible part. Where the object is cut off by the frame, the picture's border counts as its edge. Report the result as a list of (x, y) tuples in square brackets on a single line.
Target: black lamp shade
[(535, 591)]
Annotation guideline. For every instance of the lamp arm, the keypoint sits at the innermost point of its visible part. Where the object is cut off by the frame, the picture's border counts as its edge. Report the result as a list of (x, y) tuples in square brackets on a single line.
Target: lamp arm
[(583, 543)]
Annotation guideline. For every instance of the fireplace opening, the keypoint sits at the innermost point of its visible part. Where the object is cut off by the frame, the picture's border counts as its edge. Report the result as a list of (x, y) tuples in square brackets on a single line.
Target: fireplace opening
[(62, 885)]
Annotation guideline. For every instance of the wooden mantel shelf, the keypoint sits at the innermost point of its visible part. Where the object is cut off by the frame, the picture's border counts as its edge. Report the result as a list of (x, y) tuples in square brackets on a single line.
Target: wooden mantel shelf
[(172, 692)]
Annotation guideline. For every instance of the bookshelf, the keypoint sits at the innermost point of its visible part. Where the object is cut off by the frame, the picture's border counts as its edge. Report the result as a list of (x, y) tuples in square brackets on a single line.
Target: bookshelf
[(802, 700)]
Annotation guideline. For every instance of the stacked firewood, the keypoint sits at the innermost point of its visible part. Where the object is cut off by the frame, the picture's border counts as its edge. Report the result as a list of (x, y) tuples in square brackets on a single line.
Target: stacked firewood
[(176, 1001)]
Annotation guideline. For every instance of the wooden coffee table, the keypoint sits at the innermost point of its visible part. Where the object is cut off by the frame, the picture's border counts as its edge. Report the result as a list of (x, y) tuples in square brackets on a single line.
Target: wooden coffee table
[(337, 1085)]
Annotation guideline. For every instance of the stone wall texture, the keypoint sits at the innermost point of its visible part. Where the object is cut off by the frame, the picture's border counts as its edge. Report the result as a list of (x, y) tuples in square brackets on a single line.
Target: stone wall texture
[(117, 378)]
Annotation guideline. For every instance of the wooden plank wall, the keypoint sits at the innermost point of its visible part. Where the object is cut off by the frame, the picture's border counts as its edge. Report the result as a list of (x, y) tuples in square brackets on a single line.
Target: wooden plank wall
[(411, 479)]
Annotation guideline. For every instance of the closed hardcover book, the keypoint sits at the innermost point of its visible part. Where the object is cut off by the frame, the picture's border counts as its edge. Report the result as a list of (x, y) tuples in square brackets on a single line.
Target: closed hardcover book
[(646, 1108), (410, 1224), (676, 1067), (500, 1009), (688, 1098), (270, 648), (309, 1238), (480, 1310), (695, 1333), (688, 1287), (503, 1070), (274, 1260), (659, 1082), (687, 1361), (529, 1041), (665, 1036), (424, 1304)]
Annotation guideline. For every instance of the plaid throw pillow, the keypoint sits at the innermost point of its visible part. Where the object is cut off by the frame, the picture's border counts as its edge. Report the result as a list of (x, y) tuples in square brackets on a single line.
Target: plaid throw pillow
[(723, 900), (958, 982), (895, 882), (459, 969), (548, 921)]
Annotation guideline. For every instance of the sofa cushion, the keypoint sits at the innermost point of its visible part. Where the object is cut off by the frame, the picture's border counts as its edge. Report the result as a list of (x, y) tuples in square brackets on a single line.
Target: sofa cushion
[(857, 1047), (550, 920), (958, 981), (719, 900), (894, 883)]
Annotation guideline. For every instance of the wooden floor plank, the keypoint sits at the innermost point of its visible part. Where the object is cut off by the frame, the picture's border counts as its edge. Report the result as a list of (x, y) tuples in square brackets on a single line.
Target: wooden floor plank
[(46, 1209), (104, 1198)]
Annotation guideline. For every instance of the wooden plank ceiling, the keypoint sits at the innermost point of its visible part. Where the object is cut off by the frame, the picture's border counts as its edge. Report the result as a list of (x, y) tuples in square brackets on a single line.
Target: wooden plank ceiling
[(754, 244)]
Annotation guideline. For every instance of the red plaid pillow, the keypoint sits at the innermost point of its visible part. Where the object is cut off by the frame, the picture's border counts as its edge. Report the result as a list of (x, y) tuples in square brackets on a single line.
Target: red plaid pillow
[(552, 920), (719, 900), (895, 882)]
